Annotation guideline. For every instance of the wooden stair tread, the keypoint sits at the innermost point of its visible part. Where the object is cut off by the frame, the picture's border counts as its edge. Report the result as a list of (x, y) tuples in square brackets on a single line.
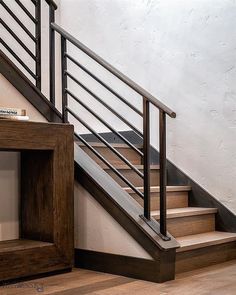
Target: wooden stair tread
[(186, 211), (116, 145), (156, 189), (192, 242), (126, 167)]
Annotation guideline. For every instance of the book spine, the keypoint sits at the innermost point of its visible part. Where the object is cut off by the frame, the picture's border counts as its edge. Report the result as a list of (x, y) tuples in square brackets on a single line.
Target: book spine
[(12, 112)]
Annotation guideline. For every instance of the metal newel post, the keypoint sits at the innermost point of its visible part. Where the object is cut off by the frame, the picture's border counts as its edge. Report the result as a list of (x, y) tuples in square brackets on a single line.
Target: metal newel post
[(146, 160)]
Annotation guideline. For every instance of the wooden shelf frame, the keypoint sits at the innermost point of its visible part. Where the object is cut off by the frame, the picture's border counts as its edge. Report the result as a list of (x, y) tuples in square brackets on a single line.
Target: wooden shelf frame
[(46, 242)]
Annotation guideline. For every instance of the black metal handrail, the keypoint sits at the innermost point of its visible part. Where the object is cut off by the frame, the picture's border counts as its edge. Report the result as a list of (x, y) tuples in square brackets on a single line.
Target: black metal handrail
[(36, 38), (12, 14), (17, 39), (51, 3), (36, 75), (147, 100), (114, 71), (105, 85), (100, 119), (26, 11)]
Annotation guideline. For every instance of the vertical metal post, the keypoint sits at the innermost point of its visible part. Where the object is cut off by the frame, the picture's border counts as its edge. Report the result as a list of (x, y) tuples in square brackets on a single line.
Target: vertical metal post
[(38, 43), (146, 159), (64, 79), (52, 54), (163, 174)]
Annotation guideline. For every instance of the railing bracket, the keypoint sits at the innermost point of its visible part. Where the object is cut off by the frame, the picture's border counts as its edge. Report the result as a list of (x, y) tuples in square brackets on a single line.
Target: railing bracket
[(154, 227)]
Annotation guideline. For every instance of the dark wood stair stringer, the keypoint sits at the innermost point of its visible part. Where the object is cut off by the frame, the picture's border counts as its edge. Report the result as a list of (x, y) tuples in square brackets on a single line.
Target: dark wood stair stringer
[(125, 210)]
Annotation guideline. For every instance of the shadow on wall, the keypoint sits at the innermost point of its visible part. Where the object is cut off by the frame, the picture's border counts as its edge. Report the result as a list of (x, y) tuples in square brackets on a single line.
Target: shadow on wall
[(9, 195)]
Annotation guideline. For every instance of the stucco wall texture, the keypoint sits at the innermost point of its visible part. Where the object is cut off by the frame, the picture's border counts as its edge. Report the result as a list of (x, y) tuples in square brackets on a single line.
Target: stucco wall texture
[(183, 52)]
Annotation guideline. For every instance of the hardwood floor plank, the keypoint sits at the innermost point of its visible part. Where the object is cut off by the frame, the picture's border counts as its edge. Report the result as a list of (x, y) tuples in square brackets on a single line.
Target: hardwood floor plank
[(218, 279)]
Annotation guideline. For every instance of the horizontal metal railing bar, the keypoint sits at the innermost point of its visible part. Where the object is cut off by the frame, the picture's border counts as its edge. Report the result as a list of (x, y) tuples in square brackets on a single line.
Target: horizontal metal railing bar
[(102, 158), (127, 162), (104, 85), (26, 11), (110, 127), (114, 71), (106, 105), (110, 166), (18, 40), (52, 3), (17, 58), (17, 20)]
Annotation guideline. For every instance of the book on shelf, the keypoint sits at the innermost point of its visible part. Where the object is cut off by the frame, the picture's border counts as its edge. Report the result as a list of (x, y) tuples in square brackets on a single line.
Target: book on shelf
[(14, 118), (12, 112)]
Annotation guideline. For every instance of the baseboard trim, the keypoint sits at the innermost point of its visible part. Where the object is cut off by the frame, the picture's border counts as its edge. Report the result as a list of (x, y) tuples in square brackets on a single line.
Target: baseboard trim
[(133, 267)]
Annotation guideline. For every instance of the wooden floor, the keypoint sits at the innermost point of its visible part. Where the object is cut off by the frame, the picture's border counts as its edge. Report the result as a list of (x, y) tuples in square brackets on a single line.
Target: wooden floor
[(220, 279)]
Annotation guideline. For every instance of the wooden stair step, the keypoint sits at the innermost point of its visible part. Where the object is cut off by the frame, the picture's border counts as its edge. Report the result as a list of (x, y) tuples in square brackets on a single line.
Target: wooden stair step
[(185, 212), (123, 149), (189, 220), (156, 189), (203, 250), (114, 144), (177, 196), (204, 240), (126, 167), (132, 176)]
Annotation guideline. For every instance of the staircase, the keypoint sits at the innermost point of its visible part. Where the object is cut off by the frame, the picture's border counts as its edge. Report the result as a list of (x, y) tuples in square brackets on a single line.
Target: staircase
[(193, 227), (180, 225)]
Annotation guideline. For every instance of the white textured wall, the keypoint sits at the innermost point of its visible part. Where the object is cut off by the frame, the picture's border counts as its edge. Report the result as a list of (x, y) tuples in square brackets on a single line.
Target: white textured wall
[(184, 52), (96, 230), (12, 98), (9, 204)]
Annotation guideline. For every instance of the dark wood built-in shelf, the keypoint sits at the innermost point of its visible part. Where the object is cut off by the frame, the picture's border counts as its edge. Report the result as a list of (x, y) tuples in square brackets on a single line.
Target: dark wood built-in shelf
[(21, 244), (46, 201)]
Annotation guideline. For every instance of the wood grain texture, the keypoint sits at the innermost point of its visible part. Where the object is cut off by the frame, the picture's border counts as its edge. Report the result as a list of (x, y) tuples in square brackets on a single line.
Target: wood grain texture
[(132, 175), (207, 239), (216, 279), (126, 151), (173, 200), (191, 225), (118, 264), (31, 261), (21, 244), (46, 204), (206, 256), (185, 212), (37, 195)]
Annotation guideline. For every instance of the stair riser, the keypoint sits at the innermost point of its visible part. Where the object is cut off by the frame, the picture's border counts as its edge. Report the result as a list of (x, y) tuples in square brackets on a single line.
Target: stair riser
[(134, 178), (131, 155), (191, 225), (194, 259), (173, 199)]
